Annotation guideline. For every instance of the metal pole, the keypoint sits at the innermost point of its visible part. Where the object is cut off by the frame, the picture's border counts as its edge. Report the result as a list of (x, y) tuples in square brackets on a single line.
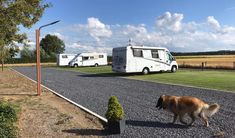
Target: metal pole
[(38, 57), (38, 62)]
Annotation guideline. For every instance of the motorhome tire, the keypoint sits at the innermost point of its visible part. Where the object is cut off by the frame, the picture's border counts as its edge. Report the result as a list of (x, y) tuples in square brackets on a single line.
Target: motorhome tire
[(75, 65), (96, 64), (145, 71), (173, 69)]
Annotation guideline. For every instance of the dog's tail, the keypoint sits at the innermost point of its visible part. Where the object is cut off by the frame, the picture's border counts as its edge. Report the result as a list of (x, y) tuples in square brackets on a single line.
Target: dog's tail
[(210, 110)]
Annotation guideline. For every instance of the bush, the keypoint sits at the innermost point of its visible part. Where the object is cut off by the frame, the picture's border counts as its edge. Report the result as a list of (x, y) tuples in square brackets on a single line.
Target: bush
[(8, 115), (7, 131), (115, 111)]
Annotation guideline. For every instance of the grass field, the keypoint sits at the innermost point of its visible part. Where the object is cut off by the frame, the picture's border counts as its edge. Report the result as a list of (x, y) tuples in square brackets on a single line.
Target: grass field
[(100, 69), (212, 79), (216, 61), (221, 80)]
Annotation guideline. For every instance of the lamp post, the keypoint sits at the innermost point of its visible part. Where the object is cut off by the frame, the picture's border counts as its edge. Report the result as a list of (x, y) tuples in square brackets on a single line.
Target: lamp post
[(38, 56)]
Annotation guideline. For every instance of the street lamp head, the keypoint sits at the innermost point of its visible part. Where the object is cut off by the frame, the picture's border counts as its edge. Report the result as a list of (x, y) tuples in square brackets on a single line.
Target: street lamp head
[(54, 22), (49, 24)]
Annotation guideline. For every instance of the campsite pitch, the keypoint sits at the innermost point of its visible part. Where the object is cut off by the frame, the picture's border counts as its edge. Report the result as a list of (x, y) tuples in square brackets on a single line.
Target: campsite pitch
[(139, 99)]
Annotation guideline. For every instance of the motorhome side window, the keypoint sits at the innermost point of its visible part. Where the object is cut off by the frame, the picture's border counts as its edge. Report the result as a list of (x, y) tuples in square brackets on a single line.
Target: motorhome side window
[(101, 56), (137, 53), (85, 58), (64, 56), (92, 57), (154, 53)]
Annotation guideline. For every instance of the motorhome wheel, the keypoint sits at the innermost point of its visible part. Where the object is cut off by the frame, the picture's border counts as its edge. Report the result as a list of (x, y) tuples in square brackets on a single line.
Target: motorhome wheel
[(145, 71), (173, 69)]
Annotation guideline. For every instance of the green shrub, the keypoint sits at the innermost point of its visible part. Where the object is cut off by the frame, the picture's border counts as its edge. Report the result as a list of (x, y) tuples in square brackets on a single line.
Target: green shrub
[(115, 111), (7, 130), (7, 113)]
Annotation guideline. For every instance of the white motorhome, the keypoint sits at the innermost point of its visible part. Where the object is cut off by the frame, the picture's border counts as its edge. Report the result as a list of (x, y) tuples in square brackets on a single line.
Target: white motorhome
[(143, 59), (89, 59), (64, 59)]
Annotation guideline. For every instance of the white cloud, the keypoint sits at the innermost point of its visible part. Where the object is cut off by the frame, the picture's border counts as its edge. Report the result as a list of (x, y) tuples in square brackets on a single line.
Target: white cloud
[(228, 29), (169, 31), (170, 21), (59, 35), (78, 48), (138, 32), (213, 22), (95, 28)]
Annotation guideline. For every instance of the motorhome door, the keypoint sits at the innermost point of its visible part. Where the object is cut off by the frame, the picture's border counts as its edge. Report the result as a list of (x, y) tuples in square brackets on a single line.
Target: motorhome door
[(162, 57)]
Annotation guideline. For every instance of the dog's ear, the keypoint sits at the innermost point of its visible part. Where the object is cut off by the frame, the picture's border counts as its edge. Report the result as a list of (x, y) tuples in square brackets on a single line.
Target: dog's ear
[(160, 102)]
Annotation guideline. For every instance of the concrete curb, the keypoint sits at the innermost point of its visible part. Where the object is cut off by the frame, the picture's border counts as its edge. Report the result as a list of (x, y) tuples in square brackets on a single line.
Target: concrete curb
[(70, 101)]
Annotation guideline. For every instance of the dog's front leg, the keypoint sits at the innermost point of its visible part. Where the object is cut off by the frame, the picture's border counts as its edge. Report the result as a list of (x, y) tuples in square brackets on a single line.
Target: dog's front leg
[(205, 119), (193, 119), (175, 118), (182, 120)]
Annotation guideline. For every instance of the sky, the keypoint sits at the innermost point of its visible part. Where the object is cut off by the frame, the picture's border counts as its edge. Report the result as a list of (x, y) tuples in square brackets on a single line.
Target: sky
[(100, 25)]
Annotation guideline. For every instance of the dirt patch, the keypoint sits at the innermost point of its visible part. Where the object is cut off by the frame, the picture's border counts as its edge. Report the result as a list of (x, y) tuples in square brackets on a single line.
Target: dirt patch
[(46, 115)]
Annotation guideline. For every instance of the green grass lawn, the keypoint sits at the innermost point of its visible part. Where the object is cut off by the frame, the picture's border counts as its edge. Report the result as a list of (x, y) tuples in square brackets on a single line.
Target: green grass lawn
[(99, 69), (212, 79), (221, 80)]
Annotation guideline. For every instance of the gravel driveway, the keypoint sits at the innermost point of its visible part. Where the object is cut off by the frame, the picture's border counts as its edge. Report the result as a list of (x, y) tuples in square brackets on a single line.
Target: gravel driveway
[(139, 99)]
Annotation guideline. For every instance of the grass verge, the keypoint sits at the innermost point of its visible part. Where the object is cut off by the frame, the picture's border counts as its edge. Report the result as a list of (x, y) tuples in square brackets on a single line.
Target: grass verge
[(97, 70)]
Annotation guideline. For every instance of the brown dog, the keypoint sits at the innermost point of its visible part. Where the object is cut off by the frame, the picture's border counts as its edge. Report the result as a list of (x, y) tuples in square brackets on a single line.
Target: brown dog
[(181, 105)]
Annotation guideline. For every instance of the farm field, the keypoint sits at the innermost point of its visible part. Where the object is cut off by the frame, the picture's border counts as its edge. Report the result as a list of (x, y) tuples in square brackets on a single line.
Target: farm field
[(29, 64), (212, 79), (214, 61)]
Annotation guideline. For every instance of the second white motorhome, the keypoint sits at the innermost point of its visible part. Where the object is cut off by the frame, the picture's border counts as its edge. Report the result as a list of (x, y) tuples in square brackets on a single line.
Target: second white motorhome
[(89, 59), (143, 59), (64, 59)]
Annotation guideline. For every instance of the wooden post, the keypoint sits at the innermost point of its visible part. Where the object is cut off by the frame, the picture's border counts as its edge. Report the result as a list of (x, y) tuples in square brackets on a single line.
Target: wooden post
[(234, 65), (38, 62), (2, 64), (202, 66)]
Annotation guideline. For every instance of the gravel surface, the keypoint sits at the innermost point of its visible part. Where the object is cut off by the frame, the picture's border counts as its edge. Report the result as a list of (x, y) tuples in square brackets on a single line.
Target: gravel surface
[(139, 100)]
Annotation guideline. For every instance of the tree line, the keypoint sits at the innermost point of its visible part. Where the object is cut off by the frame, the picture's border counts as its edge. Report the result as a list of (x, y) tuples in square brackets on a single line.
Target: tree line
[(50, 46), (220, 52)]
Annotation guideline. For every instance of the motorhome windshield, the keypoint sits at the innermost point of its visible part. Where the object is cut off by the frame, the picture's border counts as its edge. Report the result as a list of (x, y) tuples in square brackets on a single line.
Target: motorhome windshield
[(169, 56)]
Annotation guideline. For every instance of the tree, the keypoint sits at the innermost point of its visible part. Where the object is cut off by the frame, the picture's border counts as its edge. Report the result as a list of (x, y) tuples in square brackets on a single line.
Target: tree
[(4, 53), (13, 51), (52, 45), (14, 13), (27, 55)]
